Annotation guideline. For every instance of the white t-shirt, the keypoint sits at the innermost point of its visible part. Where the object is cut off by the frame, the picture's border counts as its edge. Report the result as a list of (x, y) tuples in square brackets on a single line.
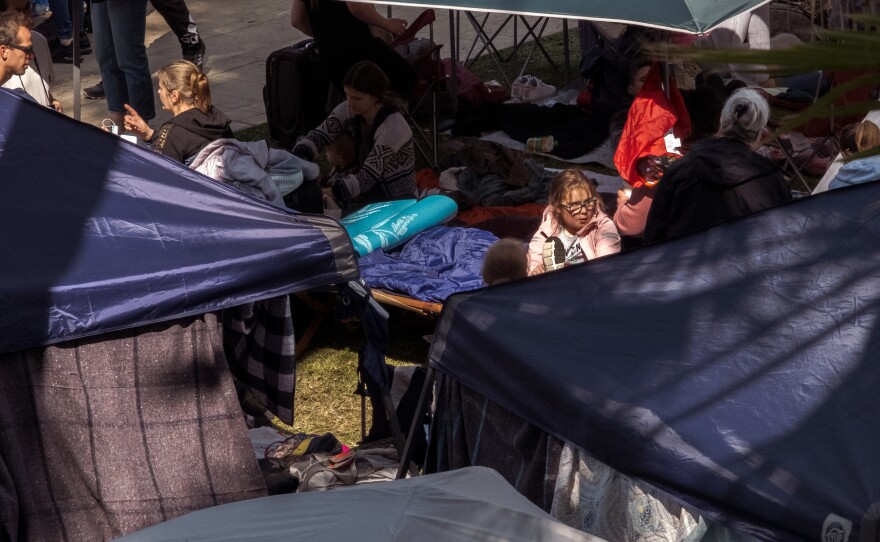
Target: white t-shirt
[(573, 251), (34, 82)]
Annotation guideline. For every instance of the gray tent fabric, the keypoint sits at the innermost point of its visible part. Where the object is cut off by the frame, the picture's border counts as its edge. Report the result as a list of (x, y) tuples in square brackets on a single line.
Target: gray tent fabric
[(107, 435), (467, 504), (693, 16)]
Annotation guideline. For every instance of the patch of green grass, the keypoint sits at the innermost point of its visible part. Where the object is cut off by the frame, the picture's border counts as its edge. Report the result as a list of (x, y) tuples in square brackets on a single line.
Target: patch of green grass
[(486, 68), (326, 378)]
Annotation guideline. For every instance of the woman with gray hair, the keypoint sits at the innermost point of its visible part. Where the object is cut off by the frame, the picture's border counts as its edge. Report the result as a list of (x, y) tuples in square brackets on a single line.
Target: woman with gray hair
[(722, 177)]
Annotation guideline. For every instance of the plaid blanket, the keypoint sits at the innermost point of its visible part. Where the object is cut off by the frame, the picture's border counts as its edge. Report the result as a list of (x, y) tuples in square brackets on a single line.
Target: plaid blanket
[(259, 344), (107, 435)]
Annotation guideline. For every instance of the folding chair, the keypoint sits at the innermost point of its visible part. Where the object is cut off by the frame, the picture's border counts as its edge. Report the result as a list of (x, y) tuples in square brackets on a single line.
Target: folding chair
[(488, 42), (829, 127)]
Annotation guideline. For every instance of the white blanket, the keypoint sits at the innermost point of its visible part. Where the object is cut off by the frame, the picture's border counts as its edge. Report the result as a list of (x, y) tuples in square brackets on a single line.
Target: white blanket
[(602, 155)]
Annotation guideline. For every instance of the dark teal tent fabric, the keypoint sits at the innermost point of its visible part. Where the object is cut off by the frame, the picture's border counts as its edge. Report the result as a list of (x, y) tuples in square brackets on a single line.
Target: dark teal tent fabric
[(101, 235), (736, 368), (693, 16)]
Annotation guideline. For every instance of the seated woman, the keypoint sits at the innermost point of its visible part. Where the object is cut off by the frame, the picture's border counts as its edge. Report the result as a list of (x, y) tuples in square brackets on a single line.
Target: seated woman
[(857, 138), (722, 177), (183, 90), (575, 227), (342, 31), (370, 116)]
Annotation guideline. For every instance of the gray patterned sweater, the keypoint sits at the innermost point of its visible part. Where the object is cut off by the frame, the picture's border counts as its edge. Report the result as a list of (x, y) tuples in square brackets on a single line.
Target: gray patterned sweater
[(387, 159)]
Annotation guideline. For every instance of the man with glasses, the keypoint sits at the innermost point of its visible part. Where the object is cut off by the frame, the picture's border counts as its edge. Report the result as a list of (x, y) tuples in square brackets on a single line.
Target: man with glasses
[(16, 49), (37, 79)]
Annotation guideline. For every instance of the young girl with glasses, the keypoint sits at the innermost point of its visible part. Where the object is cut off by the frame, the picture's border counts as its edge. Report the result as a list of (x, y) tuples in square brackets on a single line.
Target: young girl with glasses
[(574, 228)]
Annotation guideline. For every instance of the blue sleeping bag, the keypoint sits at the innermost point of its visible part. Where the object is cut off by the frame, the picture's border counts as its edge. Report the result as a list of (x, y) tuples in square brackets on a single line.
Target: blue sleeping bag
[(434, 264)]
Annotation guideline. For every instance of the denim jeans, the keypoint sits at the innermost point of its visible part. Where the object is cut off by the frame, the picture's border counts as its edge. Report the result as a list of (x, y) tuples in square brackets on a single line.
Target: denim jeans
[(61, 14), (120, 28)]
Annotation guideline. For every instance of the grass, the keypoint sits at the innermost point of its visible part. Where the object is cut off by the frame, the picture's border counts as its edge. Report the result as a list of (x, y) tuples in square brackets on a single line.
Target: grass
[(326, 382)]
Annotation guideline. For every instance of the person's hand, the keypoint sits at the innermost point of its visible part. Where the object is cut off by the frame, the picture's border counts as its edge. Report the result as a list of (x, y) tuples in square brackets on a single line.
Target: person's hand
[(136, 125), (622, 198), (396, 26), (651, 168), (56, 105)]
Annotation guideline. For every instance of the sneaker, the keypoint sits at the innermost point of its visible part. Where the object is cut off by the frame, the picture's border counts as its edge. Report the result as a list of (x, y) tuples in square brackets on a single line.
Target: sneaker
[(95, 92), (554, 253), (63, 54), (195, 53), (535, 90), (516, 88)]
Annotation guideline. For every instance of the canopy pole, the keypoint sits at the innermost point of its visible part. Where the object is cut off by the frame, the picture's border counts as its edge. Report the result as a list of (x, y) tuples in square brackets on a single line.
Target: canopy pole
[(406, 455), (77, 82)]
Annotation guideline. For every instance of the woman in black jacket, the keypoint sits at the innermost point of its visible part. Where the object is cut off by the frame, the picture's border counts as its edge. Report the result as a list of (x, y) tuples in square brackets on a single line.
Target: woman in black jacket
[(183, 90), (722, 177)]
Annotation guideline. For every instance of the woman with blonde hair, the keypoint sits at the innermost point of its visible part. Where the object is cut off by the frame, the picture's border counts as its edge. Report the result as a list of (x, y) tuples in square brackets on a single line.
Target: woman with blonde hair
[(183, 90), (855, 138), (575, 227)]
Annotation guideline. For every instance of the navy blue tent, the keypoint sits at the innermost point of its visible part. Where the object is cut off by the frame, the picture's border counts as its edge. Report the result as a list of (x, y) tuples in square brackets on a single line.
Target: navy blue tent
[(738, 369), (101, 235), (117, 404)]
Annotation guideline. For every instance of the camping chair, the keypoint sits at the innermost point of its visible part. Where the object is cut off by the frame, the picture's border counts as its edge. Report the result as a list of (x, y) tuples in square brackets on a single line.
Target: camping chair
[(827, 127), (432, 77), (488, 45)]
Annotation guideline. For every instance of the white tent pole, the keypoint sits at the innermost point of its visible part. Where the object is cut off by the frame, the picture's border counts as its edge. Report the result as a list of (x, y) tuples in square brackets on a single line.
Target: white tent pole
[(77, 83)]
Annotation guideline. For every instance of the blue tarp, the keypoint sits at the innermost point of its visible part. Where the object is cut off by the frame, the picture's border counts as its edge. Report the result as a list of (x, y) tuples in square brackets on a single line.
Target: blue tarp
[(737, 368), (100, 235)]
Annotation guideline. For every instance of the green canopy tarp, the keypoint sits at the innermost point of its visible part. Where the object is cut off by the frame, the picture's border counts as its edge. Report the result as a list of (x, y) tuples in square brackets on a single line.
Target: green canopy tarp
[(693, 16)]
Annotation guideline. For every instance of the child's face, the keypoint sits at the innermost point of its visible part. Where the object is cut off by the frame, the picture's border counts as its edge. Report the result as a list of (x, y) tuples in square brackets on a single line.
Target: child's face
[(577, 209), (334, 158)]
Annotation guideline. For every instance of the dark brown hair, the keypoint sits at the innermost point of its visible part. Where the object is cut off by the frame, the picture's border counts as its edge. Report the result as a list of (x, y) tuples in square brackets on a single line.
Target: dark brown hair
[(367, 77)]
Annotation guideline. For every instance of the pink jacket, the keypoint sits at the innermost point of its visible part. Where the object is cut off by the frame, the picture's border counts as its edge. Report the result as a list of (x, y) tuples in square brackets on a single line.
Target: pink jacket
[(598, 238)]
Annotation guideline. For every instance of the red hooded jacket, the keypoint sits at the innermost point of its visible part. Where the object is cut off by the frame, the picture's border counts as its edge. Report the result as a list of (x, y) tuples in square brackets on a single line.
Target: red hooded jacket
[(650, 117)]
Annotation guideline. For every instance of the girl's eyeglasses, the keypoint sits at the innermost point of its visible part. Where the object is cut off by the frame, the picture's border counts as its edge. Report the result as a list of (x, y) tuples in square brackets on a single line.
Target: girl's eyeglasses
[(578, 206)]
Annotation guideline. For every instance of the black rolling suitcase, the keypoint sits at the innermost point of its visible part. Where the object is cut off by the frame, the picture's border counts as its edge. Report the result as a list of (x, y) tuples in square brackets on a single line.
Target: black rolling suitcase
[(296, 92)]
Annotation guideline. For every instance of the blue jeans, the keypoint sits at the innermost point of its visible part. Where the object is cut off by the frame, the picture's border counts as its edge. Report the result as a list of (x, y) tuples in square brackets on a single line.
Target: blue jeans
[(120, 27), (63, 19)]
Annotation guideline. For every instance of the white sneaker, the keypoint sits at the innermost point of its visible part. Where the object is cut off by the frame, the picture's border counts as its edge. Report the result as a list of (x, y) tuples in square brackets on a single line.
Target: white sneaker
[(516, 88), (553, 254), (535, 90)]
